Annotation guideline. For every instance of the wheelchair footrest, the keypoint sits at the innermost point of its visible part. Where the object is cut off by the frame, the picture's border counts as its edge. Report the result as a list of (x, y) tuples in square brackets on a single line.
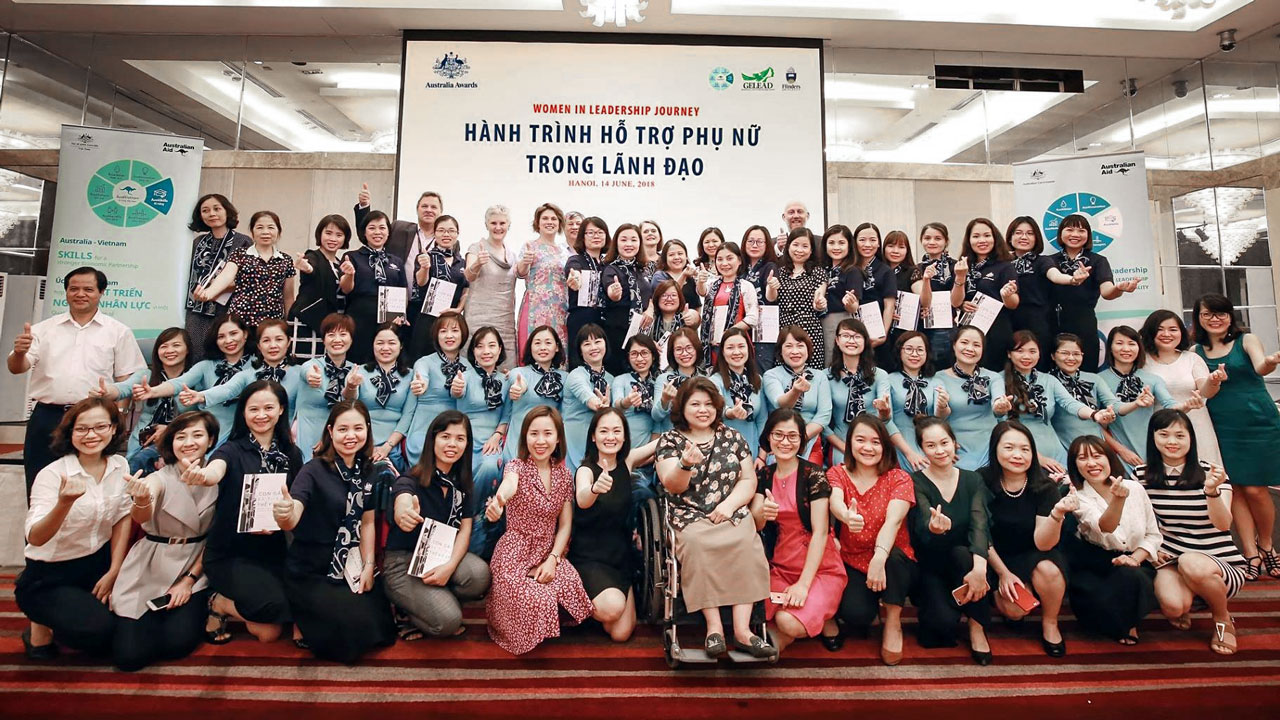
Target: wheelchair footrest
[(699, 655)]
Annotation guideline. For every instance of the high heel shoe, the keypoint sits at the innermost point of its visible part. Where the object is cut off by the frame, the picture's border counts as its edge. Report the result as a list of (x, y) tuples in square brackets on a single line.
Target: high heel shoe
[(833, 643), (890, 657), (1052, 649), (38, 652), (981, 657), (1271, 560)]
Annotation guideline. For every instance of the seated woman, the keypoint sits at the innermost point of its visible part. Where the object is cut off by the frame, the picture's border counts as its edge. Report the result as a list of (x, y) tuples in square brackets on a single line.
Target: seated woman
[(1086, 387), (439, 489), (386, 389), (602, 549), (439, 372), (485, 405), (586, 390), (1137, 391), (854, 382), (169, 560), (531, 579), (246, 570), (77, 530), (1026, 511), (870, 497), (539, 381), (708, 473), (684, 361), (793, 383), (171, 356), (338, 604), (913, 393), (738, 381), (1038, 398), (324, 379), (949, 534), (1192, 501), (976, 395), (1111, 587), (633, 392), (791, 507), (272, 363)]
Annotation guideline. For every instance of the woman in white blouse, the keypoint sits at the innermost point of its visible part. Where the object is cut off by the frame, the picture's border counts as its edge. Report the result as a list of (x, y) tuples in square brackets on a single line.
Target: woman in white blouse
[(77, 530), (1185, 373), (1111, 582)]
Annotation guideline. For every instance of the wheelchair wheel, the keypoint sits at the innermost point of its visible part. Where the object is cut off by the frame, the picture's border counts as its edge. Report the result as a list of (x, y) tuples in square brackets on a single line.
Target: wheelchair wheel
[(649, 594), (667, 652)]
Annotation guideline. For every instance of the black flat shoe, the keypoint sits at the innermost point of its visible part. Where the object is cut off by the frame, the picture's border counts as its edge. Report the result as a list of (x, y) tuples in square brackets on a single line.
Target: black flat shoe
[(38, 652), (756, 647), (832, 643), (1054, 650), (715, 646), (981, 657)]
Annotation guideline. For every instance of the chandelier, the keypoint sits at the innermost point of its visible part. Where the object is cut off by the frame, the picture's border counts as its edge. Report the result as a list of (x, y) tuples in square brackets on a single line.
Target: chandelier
[(617, 12), (1224, 236), (1179, 7)]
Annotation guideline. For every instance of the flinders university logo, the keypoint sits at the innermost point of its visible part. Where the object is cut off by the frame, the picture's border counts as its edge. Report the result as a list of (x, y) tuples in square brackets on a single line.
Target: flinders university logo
[(758, 81), (451, 66)]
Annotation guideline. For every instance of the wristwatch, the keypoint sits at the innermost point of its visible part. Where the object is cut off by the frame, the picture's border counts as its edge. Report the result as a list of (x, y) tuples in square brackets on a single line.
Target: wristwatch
[(194, 577)]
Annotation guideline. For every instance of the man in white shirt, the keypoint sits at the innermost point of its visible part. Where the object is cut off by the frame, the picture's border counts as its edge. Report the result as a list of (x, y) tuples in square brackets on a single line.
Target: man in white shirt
[(794, 215), (68, 355)]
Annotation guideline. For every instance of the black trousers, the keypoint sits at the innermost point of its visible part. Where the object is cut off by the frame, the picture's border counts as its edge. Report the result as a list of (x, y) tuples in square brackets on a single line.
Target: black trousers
[(59, 595), (859, 606), (1108, 599), (160, 634), (255, 587), (938, 614), (35, 449), (337, 624)]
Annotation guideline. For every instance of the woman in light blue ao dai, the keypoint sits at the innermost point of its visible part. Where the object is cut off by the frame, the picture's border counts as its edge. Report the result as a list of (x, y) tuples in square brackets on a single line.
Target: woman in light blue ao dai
[(586, 390), (324, 379), (225, 358), (1087, 387), (1038, 397), (272, 363), (170, 357), (912, 393), (538, 381), (386, 389), (737, 378), (439, 369), (793, 384), (633, 392), (854, 382), (975, 395), (684, 361), (1139, 393), (484, 402)]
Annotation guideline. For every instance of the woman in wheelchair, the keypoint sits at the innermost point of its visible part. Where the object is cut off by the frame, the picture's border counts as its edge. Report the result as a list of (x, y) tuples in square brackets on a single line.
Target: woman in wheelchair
[(602, 549), (790, 506), (870, 496), (706, 469)]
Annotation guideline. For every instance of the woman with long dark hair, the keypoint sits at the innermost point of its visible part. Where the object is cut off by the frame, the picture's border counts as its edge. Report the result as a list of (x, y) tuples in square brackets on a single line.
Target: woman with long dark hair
[(586, 280), (936, 273), (798, 289), (626, 291), (215, 219), (985, 266), (1186, 375), (854, 382), (844, 283), (171, 356)]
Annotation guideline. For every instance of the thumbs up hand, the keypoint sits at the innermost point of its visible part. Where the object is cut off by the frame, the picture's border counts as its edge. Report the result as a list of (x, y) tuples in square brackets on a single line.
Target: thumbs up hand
[(364, 198), (574, 280), (852, 519), (190, 397), (769, 511), (104, 390), (282, 509), (615, 290), (820, 298), (939, 523), (407, 512), (458, 386), (419, 384), (22, 343), (603, 484), (141, 391), (315, 376), (518, 387), (493, 510)]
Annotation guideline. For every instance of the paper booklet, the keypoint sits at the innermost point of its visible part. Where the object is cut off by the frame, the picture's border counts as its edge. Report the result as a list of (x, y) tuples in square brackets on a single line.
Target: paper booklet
[(906, 312), (870, 315), (439, 297), (257, 494), (985, 314), (767, 326), (589, 290), (392, 303), (939, 316), (434, 547)]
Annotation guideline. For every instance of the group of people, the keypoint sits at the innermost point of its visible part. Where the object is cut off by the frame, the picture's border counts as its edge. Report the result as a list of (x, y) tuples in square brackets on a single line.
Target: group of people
[(804, 461)]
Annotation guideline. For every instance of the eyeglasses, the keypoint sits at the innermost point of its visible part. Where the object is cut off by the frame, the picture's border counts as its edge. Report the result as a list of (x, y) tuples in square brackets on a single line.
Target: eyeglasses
[(755, 241), (595, 233), (848, 336), (638, 353), (1214, 315), (781, 437), (913, 350), (1070, 355), (100, 429)]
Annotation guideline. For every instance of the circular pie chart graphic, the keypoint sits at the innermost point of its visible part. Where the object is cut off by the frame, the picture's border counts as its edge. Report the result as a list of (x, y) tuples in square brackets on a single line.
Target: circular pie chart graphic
[(1105, 220), (129, 193)]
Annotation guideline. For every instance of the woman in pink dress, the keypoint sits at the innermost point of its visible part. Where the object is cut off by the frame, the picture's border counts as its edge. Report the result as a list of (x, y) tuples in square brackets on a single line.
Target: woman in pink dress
[(541, 266), (791, 504), (531, 578)]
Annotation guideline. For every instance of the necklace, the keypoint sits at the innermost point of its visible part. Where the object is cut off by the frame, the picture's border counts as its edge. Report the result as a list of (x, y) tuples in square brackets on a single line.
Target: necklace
[(1025, 482)]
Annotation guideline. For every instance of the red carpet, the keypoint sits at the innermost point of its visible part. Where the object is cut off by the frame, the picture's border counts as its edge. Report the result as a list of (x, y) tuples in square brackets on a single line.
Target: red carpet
[(1171, 675)]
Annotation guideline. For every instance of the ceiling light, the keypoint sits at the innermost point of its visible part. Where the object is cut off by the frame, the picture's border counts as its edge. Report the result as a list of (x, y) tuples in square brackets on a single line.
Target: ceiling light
[(366, 81), (835, 88), (613, 12)]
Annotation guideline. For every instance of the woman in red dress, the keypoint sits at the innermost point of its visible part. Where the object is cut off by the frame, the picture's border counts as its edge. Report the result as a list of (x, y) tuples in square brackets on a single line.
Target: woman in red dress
[(531, 579)]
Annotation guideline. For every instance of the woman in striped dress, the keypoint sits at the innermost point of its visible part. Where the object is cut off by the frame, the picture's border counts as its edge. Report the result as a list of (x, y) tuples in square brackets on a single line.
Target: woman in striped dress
[(1192, 503)]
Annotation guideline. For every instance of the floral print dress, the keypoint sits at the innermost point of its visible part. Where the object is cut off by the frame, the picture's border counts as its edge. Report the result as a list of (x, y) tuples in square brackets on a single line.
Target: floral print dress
[(546, 296)]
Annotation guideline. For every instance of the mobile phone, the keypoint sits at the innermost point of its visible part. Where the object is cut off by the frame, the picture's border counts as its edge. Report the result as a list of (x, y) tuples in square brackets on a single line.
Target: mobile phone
[(1024, 599), (777, 598), (959, 594), (160, 603), (1166, 563)]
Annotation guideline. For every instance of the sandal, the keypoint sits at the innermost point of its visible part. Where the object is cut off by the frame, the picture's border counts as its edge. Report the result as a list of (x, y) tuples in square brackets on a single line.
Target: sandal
[(219, 635), (1181, 623), (1253, 568), (1129, 640), (1223, 640), (1272, 560)]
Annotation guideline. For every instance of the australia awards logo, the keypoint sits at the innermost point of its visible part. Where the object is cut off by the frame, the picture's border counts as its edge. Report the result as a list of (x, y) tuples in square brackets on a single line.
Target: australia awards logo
[(758, 80), (721, 78), (84, 141), (451, 66)]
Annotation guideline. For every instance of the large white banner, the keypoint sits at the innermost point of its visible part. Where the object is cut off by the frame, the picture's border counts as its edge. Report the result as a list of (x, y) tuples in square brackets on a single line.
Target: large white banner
[(124, 200), (688, 135), (1111, 191)]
